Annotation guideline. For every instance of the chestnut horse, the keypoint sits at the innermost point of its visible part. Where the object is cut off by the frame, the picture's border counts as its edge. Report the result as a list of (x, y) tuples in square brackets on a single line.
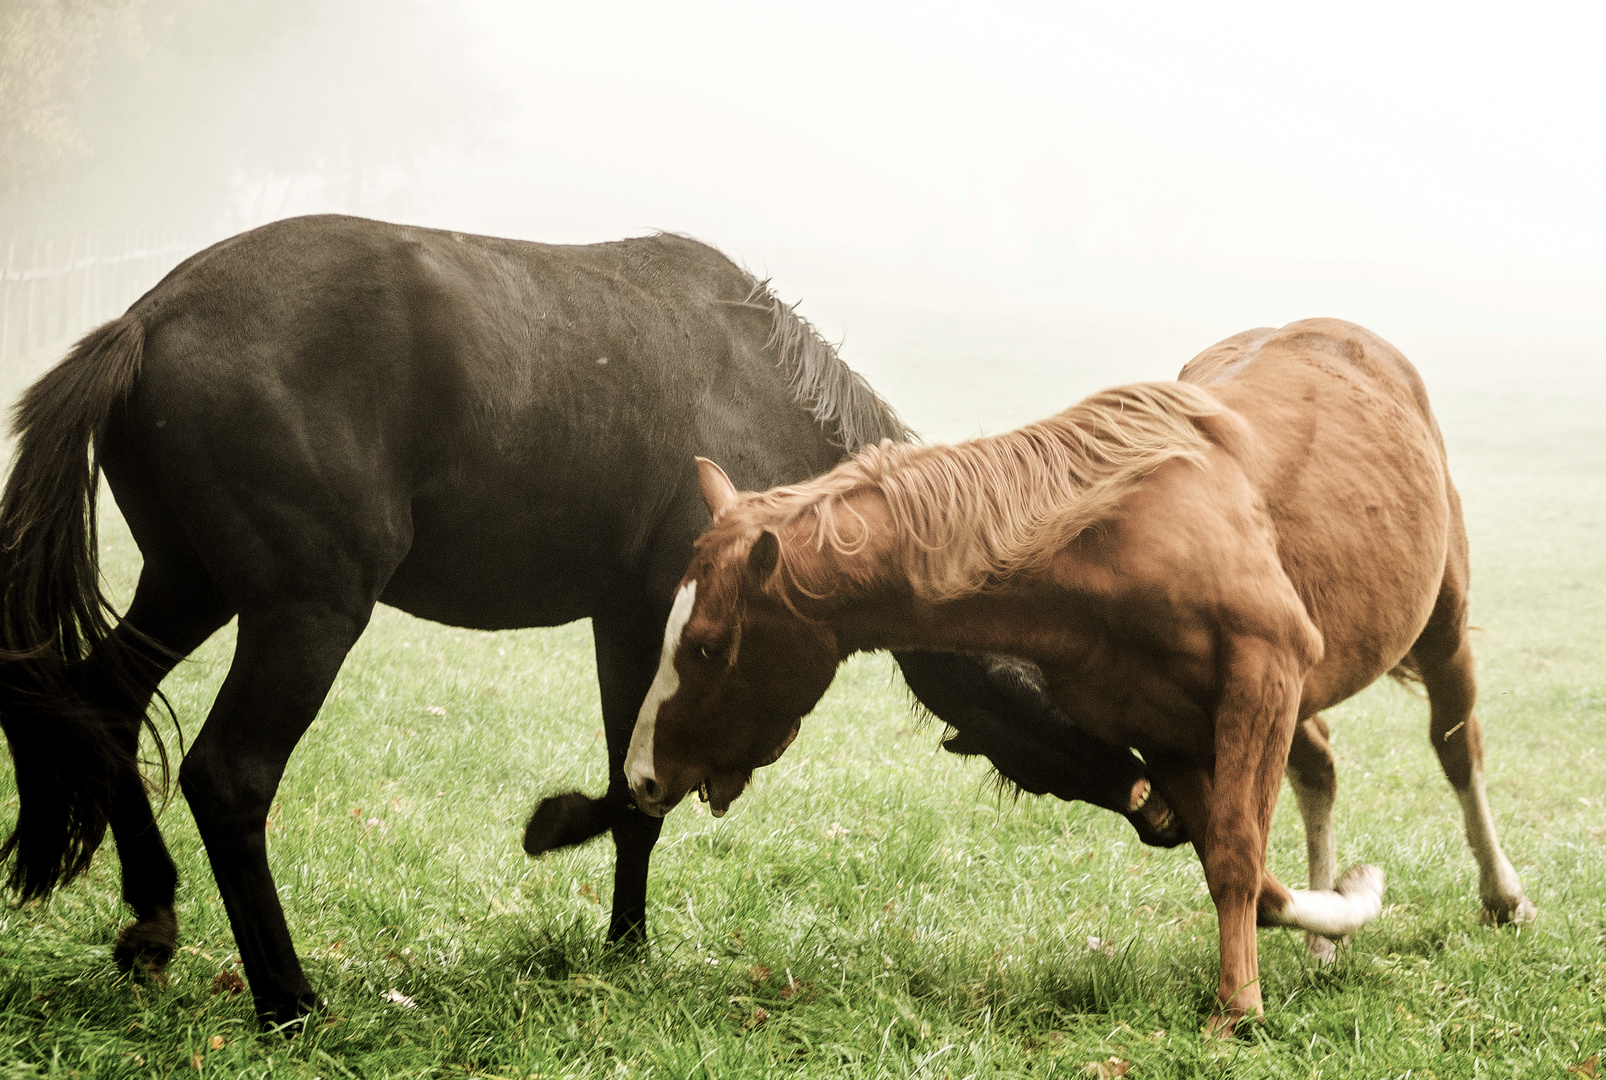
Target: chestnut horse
[(1199, 568)]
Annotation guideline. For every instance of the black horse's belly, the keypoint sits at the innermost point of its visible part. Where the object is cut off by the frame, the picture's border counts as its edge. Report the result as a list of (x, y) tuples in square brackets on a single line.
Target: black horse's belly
[(526, 558), (488, 587)]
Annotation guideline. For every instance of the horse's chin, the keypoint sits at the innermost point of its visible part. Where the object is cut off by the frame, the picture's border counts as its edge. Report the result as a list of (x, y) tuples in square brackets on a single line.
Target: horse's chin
[(720, 791)]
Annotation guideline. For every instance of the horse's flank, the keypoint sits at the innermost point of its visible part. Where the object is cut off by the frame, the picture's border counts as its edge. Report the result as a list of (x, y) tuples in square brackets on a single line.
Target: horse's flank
[(975, 513)]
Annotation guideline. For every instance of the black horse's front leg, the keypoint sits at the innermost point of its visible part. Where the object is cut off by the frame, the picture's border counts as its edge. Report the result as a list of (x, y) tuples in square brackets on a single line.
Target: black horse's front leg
[(569, 818), (574, 817), (628, 648)]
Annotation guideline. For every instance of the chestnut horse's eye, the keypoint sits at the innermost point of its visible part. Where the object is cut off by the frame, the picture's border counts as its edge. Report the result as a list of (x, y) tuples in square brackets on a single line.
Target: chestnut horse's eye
[(710, 652)]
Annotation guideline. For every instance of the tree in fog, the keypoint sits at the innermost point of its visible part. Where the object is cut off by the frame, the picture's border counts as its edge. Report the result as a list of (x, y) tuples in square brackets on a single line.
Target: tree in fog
[(124, 113)]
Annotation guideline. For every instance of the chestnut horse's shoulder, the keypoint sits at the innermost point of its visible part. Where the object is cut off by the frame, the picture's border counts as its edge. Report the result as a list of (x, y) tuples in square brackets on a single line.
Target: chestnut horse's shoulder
[(1198, 544)]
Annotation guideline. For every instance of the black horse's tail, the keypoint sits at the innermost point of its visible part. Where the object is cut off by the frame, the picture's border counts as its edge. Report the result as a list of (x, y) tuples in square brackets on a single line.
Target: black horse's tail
[(53, 613)]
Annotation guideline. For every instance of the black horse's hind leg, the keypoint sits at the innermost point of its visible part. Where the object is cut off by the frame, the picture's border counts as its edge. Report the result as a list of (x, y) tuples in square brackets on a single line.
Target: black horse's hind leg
[(178, 611), (284, 664), (628, 648)]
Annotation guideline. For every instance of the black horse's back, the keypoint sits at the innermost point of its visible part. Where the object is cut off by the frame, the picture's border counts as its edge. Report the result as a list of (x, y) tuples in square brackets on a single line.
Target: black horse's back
[(517, 419), (327, 412)]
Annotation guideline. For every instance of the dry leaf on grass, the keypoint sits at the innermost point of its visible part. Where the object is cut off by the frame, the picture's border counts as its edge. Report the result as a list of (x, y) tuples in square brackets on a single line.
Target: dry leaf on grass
[(228, 982), (399, 998), (217, 1042), (759, 1017), (1586, 1068), (795, 988), (1108, 1069)]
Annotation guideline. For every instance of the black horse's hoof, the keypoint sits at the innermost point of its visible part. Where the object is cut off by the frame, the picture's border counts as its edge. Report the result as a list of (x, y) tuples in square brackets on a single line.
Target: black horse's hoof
[(147, 943), (564, 820), (288, 1015), (628, 939)]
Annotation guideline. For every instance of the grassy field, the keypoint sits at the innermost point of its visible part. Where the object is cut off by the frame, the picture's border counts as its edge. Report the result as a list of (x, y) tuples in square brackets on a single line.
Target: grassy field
[(871, 908)]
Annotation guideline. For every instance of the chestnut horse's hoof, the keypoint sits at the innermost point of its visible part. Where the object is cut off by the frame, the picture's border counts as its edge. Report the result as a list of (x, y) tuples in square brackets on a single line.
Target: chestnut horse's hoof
[(1324, 950), (1520, 911), (1226, 1023), (147, 943)]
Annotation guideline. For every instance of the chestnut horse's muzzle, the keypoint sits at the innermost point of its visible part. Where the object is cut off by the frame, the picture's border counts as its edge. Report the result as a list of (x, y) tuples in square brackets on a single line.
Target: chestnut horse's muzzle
[(717, 789)]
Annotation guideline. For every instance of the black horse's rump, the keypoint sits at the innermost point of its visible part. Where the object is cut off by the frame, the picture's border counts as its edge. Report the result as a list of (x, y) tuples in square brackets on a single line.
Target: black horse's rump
[(326, 413)]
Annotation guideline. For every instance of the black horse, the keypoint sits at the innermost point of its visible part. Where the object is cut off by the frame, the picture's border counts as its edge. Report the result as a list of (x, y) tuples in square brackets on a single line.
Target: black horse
[(329, 412)]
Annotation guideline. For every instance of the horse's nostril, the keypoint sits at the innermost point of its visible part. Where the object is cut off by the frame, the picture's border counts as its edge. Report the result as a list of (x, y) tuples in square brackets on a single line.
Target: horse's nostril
[(649, 787)]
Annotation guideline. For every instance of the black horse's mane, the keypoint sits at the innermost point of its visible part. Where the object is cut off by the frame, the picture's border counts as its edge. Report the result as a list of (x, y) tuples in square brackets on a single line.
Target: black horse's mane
[(841, 400)]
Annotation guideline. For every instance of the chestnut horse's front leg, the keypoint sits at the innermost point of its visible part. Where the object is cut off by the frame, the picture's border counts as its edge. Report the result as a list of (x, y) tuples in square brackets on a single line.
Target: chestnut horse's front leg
[(1254, 727), (1188, 788)]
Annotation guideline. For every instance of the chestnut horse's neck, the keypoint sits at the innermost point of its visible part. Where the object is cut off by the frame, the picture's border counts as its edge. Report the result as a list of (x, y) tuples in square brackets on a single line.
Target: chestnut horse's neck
[(922, 532), (863, 589)]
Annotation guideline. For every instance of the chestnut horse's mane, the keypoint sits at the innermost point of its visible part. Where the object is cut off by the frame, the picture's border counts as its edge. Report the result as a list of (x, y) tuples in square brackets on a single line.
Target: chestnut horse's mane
[(972, 513)]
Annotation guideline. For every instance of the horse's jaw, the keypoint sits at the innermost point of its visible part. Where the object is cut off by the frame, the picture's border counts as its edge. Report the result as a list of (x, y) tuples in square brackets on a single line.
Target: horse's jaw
[(720, 791)]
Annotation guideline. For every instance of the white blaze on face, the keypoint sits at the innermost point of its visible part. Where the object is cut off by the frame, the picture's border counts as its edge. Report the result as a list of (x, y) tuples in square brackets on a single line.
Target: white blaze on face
[(638, 762)]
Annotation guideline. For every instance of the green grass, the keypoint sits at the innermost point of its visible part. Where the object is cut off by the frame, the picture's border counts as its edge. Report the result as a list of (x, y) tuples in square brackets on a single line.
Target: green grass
[(871, 898)]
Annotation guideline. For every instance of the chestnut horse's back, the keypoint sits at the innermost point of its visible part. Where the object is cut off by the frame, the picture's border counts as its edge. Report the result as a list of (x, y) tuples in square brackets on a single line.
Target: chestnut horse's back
[(1342, 445)]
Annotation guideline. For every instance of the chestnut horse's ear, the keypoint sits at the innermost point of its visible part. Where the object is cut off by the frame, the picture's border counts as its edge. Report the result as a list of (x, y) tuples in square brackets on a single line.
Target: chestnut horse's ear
[(764, 556), (718, 491)]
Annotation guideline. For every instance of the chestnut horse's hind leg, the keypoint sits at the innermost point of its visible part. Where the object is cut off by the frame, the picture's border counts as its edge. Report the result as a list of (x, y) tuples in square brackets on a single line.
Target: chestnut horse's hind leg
[(1333, 907), (1312, 775), (1442, 656), (179, 611), (1458, 739)]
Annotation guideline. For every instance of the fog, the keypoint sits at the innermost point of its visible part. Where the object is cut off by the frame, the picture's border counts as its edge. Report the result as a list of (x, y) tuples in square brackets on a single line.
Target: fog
[(995, 210)]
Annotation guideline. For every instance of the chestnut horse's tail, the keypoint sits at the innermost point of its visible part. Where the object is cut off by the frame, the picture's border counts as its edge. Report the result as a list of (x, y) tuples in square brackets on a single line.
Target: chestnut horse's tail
[(53, 613)]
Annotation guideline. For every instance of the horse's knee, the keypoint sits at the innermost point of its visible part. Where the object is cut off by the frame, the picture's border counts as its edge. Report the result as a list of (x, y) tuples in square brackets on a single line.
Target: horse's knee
[(635, 833)]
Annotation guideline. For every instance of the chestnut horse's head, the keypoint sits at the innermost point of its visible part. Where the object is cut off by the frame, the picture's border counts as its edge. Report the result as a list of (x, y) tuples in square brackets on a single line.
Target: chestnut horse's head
[(738, 672)]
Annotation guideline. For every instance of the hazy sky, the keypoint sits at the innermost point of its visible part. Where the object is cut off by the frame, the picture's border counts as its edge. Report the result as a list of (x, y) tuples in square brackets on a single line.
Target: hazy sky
[(1432, 162), (1425, 169), (1169, 131)]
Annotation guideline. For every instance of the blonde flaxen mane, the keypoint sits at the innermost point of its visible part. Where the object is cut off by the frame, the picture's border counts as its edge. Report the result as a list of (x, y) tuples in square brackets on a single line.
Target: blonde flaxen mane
[(971, 514)]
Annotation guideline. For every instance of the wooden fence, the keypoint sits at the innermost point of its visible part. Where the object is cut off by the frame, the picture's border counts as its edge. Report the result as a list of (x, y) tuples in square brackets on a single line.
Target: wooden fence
[(52, 289)]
